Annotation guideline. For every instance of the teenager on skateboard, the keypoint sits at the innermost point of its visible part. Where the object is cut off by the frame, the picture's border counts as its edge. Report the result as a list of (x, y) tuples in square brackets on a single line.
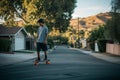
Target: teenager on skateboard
[(42, 35)]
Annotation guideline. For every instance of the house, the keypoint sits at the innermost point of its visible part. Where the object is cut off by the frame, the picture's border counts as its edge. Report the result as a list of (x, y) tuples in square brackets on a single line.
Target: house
[(83, 42), (17, 35)]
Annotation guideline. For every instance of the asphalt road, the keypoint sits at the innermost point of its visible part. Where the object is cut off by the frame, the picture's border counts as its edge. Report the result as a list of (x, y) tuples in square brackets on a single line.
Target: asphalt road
[(66, 64)]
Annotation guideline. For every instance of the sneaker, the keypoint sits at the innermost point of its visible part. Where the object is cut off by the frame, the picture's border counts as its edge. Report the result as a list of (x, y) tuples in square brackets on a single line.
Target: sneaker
[(37, 60), (45, 59)]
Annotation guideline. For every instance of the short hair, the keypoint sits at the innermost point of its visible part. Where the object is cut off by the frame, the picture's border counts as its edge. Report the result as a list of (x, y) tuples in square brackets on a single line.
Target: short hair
[(41, 20)]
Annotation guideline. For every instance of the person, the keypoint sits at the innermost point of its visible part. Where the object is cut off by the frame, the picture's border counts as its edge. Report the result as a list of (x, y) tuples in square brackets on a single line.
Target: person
[(42, 35)]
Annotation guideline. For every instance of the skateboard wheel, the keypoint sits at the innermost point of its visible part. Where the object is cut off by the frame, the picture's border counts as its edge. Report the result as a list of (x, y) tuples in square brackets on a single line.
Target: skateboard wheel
[(48, 62), (35, 63)]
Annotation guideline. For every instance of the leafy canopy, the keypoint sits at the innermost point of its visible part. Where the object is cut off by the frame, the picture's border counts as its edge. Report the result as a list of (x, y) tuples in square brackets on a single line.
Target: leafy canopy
[(57, 13), (112, 28)]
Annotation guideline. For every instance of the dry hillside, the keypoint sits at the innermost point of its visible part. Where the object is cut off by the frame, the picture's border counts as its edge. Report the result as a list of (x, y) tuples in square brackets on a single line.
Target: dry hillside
[(90, 22)]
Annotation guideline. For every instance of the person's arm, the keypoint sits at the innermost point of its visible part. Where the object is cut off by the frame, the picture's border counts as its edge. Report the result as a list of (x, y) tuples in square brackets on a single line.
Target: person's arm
[(37, 35), (46, 36), (36, 39), (45, 41)]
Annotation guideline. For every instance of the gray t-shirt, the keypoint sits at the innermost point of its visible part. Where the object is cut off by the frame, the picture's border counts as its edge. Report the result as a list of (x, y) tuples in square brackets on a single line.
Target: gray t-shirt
[(42, 32)]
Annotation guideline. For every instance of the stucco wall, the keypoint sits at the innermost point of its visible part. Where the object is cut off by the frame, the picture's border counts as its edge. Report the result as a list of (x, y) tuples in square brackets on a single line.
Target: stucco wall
[(113, 49)]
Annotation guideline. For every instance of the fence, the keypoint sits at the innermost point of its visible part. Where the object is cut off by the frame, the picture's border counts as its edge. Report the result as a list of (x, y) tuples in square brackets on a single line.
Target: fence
[(113, 49)]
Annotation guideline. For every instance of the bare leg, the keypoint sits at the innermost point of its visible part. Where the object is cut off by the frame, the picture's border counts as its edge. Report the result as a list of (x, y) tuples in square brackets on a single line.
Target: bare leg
[(38, 55), (45, 53)]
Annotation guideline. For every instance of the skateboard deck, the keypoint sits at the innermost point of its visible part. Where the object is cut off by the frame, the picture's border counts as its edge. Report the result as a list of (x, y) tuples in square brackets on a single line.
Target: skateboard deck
[(45, 61)]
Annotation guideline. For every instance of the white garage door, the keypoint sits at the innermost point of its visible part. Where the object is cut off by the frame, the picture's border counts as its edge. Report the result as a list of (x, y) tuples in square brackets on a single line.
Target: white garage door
[(19, 43)]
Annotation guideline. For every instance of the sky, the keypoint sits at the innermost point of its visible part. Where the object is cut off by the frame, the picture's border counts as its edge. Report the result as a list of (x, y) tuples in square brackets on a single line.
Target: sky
[(85, 8)]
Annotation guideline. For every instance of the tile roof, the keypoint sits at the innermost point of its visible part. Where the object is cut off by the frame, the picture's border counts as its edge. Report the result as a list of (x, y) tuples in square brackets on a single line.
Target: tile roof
[(6, 31)]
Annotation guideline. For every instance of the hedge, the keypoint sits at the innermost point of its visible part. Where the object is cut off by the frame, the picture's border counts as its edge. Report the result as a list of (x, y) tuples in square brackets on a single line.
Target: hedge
[(92, 44), (5, 45), (50, 42), (102, 45)]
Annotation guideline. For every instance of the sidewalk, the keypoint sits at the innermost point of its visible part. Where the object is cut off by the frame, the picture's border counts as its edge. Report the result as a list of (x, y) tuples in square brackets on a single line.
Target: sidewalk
[(7, 59), (103, 56)]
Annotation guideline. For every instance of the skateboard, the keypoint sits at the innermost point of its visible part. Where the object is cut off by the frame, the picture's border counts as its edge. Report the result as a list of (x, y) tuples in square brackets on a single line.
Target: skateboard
[(46, 61)]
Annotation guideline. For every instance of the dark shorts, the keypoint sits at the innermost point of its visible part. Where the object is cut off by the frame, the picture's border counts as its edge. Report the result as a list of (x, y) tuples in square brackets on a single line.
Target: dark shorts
[(41, 46)]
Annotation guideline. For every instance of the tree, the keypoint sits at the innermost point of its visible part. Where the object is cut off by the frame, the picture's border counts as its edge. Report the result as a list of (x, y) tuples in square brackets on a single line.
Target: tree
[(115, 6), (32, 29), (97, 34), (57, 13), (81, 33), (7, 10), (112, 28)]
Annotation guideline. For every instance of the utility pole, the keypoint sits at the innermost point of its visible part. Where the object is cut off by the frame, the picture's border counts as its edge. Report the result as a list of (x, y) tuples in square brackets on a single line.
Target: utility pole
[(78, 33), (78, 27)]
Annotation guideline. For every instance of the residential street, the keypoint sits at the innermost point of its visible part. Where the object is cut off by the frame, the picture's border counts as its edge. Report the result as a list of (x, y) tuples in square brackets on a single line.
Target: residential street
[(66, 64)]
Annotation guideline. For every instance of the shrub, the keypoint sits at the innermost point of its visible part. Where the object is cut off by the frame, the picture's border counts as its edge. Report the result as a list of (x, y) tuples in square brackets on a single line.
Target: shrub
[(92, 46), (102, 45), (50, 42), (57, 40), (97, 34), (5, 45)]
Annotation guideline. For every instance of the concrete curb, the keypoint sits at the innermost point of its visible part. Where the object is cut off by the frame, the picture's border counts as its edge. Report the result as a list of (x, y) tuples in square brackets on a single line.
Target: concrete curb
[(103, 56)]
